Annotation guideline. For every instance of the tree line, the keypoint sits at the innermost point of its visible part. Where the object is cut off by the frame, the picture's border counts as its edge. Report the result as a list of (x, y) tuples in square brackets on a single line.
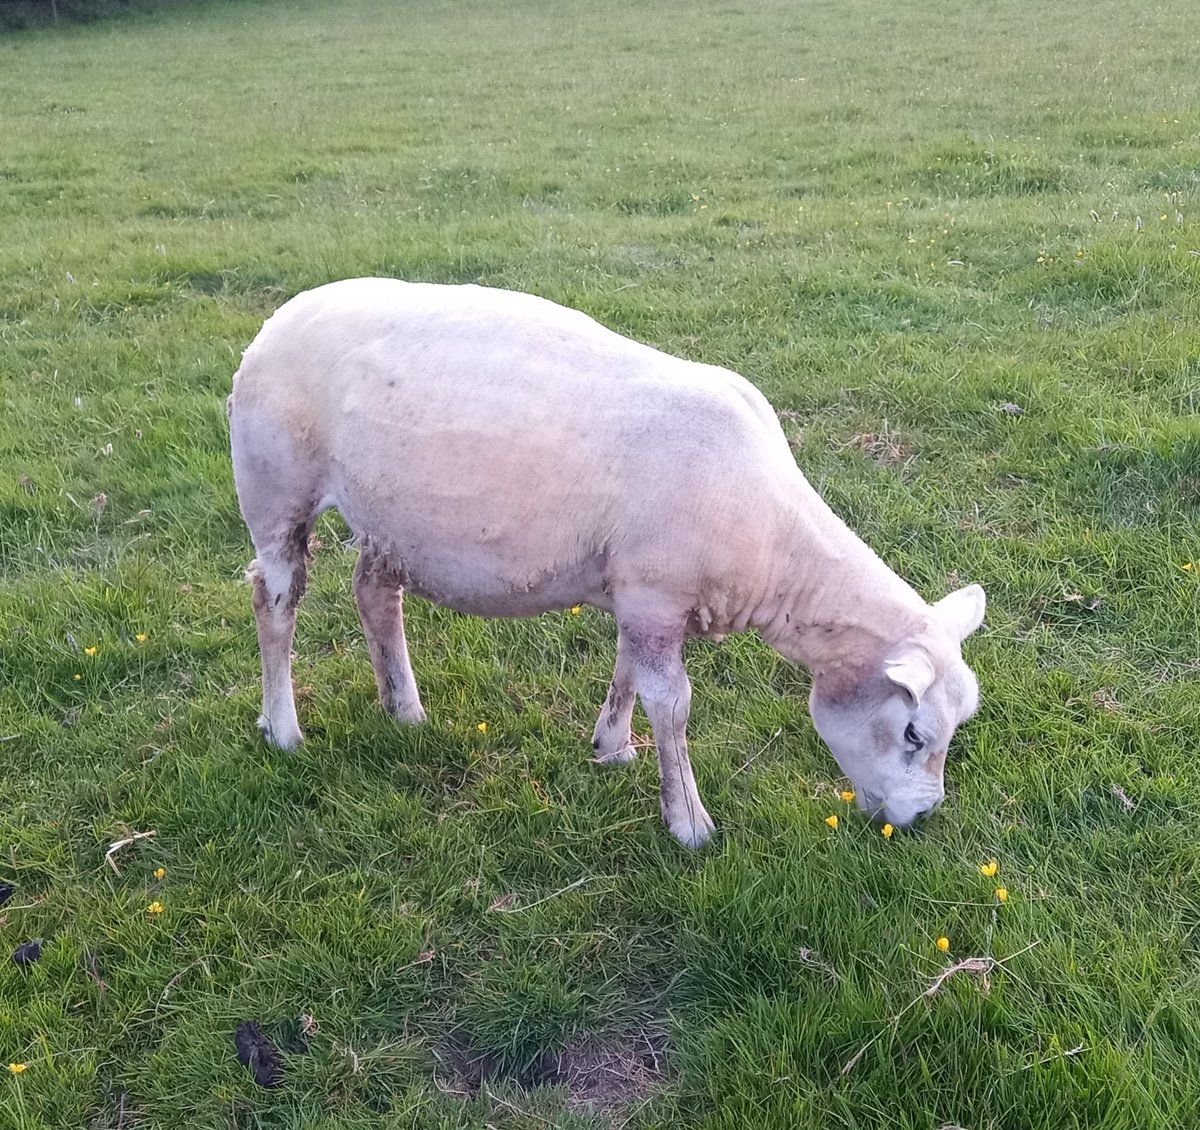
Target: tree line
[(43, 13)]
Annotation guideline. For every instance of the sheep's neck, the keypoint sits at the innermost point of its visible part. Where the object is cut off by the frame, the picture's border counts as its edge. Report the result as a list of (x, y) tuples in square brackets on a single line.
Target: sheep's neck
[(834, 602)]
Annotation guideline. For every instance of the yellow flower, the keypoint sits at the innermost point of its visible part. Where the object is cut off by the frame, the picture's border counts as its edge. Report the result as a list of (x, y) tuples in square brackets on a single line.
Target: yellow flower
[(1188, 566), (832, 821), (141, 637), (989, 869), (886, 831), (89, 651), (77, 676), (482, 727), (17, 1068), (1002, 894), (155, 907), (159, 872), (576, 609), (1163, 216), (846, 794), (943, 944)]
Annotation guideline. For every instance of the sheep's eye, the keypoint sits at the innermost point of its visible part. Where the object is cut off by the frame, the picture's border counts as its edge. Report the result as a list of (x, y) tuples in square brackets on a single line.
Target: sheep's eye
[(913, 740)]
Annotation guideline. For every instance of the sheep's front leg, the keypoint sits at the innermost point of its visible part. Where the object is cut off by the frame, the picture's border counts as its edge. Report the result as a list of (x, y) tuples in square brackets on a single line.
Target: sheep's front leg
[(611, 738), (666, 695)]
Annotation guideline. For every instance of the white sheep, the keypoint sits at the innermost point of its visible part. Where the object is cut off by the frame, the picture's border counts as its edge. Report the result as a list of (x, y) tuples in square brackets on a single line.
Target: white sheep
[(505, 456)]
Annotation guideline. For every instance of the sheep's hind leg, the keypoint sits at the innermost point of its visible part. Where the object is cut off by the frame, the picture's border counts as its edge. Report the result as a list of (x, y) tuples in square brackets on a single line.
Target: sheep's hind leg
[(611, 738), (662, 684), (279, 576), (380, 599)]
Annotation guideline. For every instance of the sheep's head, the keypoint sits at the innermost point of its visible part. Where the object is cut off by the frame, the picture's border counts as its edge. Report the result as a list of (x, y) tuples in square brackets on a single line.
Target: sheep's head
[(889, 725)]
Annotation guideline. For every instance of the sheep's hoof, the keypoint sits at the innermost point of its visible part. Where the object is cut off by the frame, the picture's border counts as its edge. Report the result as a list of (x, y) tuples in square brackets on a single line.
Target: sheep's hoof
[(280, 738), (692, 829), (616, 756), (407, 715)]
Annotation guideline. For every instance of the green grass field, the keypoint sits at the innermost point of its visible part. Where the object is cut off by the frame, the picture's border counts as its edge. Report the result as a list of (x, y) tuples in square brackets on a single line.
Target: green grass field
[(895, 219)]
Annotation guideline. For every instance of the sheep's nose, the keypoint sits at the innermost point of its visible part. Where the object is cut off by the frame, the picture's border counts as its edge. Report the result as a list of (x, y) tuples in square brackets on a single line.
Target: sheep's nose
[(925, 813)]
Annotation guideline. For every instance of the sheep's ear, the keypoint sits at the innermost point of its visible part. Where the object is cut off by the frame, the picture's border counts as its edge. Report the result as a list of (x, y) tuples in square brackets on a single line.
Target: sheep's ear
[(962, 611), (912, 672)]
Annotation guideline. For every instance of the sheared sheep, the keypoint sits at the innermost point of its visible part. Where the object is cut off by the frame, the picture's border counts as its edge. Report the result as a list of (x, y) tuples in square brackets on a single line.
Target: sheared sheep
[(505, 456)]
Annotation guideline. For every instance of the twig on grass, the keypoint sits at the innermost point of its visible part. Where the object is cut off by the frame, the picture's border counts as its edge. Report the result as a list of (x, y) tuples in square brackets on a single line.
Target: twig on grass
[(811, 958), (114, 848), (1123, 797), (203, 962), (92, 970), (423, 958), (970, 964), (979, 965), (754, 756), (179, 976), (458, 1092), (357, 1059), (502, 907), (1054, 1058)]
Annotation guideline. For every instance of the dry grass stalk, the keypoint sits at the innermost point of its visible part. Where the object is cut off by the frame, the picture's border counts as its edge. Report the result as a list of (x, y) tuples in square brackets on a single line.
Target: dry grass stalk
[(116, 847), (978, 965)]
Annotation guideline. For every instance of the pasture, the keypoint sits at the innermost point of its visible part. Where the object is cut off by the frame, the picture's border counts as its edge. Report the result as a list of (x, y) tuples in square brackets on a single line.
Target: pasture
[(956, 244)]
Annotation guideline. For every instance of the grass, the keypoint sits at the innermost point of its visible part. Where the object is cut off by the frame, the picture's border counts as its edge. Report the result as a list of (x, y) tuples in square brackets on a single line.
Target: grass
[(894, 220)]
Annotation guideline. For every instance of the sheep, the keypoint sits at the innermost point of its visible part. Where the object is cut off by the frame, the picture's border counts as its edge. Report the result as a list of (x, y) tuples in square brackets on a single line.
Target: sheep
[(502, 455)]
